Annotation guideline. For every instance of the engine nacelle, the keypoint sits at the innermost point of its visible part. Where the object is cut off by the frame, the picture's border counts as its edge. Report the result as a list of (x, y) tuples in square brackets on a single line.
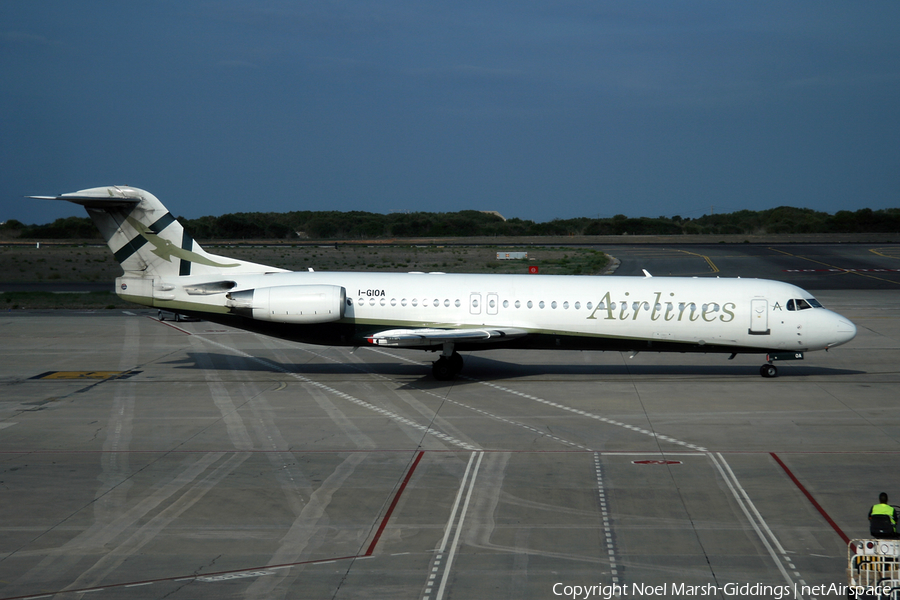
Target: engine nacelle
[(290, 303)]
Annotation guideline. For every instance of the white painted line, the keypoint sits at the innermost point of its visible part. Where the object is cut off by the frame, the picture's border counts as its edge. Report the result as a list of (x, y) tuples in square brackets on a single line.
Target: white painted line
[(459, 525), (588, 414), (733, 483), (391, 415), (230, 576), (462, 486)]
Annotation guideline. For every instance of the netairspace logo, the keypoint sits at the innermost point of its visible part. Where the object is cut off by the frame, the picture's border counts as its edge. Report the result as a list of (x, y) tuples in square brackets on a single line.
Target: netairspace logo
[(740, 590)]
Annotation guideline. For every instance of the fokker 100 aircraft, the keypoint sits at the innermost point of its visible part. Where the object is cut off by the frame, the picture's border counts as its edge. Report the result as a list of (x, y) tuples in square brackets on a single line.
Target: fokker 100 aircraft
[(165, 268)]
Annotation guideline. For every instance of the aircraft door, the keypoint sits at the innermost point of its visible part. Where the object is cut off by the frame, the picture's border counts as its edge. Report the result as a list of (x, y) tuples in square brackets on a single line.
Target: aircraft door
[(493, 302), (759, 317), (475, 303)]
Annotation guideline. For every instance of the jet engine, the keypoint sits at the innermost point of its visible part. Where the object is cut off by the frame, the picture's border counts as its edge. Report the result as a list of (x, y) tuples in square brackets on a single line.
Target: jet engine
[(290, 303)]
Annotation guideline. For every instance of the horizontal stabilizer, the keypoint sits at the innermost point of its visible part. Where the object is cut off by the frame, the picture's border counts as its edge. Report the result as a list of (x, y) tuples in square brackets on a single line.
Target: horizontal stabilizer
[(410, 338), (88, 202), (106, 197)]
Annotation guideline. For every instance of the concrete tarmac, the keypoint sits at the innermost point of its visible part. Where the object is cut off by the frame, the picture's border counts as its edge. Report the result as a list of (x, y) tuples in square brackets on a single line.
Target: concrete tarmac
[(141, 459)]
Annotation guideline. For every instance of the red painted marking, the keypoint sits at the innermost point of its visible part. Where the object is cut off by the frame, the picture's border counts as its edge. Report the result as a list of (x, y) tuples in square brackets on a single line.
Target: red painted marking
[(532, 269), (393, 505), (656, 462), (371, 548), (811, 499)]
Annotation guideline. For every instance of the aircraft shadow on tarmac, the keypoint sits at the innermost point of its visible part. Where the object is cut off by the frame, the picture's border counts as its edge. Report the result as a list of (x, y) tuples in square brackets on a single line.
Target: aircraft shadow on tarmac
[(480, 367)]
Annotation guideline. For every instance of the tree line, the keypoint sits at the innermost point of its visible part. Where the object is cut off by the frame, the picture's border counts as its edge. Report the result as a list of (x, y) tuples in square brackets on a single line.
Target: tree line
[(470, 223)]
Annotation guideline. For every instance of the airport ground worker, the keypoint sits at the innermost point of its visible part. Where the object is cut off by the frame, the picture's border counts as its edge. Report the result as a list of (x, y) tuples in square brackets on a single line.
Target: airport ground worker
[(883, 519)]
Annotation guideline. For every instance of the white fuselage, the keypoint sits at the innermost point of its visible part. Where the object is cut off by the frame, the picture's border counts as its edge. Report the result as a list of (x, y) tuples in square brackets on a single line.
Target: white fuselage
[(720, 313)]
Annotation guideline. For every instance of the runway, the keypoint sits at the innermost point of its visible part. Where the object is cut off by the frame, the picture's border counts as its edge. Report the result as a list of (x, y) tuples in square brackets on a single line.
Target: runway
[(141, 459)]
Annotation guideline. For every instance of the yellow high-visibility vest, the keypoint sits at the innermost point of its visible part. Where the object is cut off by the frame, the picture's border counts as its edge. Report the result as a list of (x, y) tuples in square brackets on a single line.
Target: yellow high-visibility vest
[(884, 509)]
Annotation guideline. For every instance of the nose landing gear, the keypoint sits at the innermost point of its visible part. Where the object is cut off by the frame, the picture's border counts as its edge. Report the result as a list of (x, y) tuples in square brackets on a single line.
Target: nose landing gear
[(768, 370)]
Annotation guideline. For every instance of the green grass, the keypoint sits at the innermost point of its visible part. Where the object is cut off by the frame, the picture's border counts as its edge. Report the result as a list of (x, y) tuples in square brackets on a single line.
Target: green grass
[(40, 300)]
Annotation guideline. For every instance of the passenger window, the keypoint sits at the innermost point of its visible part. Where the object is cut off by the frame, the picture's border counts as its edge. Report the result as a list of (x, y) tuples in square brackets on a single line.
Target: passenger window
[(529, 304), (506, 304), (566, 304), (393, 302), (541, 304), (577, 305), (437, 302), (518, 304), (553, 304), (403, 302), (588, 305), (457, 303), (447, 303)]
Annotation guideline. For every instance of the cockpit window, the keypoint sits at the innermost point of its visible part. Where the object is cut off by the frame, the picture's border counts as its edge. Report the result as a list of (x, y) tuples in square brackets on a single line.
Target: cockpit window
[(803, 304)]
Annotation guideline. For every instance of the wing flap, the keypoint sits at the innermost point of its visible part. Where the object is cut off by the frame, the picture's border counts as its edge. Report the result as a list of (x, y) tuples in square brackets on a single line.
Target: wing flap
[(411, 338)]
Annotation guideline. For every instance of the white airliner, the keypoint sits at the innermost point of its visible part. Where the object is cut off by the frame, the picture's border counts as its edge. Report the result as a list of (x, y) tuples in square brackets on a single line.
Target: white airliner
[(165, 268)]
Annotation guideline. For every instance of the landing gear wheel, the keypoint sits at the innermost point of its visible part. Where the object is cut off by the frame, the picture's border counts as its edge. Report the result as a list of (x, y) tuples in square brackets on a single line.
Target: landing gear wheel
[(456, 362), (445, 369), (442, 369), (160, 315), (768, 371)]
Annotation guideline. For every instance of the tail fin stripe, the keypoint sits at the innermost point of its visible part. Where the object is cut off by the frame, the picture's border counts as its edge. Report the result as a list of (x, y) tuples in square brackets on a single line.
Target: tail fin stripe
[(138, 241), (129, 249), (162, 223), (187, 243)]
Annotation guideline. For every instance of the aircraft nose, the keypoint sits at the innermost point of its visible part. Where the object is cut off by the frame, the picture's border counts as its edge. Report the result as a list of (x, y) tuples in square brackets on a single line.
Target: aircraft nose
[(846, 331)]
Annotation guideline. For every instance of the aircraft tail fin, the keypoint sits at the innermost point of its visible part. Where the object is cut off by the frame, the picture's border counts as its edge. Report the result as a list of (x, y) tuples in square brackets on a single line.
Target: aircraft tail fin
[(146, 240)]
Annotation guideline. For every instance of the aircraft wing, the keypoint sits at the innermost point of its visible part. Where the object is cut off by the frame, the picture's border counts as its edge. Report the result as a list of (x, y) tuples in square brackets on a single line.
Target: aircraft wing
[(411, 338)]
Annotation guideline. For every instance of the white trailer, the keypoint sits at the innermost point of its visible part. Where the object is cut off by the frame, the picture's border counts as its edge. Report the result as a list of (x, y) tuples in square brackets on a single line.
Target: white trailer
[(873, 569)]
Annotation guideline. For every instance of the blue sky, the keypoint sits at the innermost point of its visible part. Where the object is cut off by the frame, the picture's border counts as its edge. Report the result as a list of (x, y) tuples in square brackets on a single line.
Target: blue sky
[(538, 110)]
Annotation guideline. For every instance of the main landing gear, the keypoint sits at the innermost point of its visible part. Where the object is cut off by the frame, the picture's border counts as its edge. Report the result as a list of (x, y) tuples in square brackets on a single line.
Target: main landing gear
[(448, 366)]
